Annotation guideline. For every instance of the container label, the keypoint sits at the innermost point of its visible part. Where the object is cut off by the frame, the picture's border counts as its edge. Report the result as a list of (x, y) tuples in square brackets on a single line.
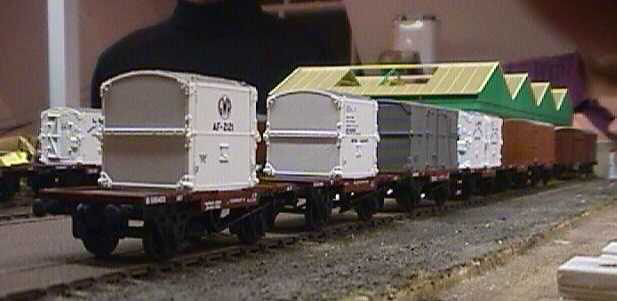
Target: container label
[(351, 123), (156, 199), (223, 126), (224, 109)]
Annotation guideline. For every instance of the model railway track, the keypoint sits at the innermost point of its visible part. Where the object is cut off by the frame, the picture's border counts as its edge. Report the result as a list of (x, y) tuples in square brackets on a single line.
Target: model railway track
[(18, 210), (21, 199), (14, 216), (208, 258), (24, 218)]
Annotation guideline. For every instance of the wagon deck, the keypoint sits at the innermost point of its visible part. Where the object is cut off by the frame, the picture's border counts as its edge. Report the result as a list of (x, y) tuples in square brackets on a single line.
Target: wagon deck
[(154, 196)]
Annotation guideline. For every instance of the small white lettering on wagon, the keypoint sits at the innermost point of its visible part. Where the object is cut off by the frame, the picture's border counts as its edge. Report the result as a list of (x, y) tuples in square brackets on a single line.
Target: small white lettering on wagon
[(155, 199)]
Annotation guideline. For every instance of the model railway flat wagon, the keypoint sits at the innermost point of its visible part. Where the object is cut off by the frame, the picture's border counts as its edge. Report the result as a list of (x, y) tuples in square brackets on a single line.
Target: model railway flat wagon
[(528, 147), (178, 131), (177, 149), (418, 143), (316, 136), (480, 142), (16, 154), (575, 150)]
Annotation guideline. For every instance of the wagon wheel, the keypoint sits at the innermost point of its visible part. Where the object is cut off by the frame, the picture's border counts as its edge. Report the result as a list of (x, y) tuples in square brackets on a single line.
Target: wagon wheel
[(328, 205), (367, 207), (469, 187), (536, 176), (546, 177), (34, 182), (484, 186), (491, 185), (8, 188), (4, 190), (100, 242), (97, 238), (16, 184), (520, 180), (270, 211), (408, 195), (381, 199), (159, 241), (440, 194), (504, 180), (212, 220), (39, 181), (317, 211), (247, 230), (261, 224)]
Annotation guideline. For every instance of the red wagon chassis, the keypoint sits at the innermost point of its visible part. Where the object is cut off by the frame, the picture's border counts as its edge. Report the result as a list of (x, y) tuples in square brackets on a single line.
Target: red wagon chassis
[(172, 217), (224, 199)]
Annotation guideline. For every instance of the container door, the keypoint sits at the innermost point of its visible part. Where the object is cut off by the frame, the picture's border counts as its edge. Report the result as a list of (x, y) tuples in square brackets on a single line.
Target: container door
[(303, 134), (222, 138), (394, 153), (144, 141), (145, 101), (495, 141), (145, 160), (51, 141), (443, 136), (359, 147), (420, 138), (451, 139), (91, 127), (61, 135), (579, 147), (465, 142), (433, 138)]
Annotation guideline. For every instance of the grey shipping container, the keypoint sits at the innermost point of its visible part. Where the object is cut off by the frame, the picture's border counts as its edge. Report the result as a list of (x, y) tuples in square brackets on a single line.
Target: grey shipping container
[(416, 137)]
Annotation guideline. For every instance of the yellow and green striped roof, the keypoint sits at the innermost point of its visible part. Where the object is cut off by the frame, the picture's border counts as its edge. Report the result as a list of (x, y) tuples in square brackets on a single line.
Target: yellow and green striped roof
[(393, 80), (539, 90), (560, 94), (515, 82), (478, 86)]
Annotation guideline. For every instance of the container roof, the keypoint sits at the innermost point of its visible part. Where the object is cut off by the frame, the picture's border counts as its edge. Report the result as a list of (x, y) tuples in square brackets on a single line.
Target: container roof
[(515, 82), (539, 91), (180, 76), (393, 80), (560, 95)]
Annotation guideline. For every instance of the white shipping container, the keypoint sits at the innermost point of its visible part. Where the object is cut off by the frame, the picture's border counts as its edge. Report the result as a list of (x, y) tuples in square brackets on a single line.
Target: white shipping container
[(480, 140), (178, 131), (70, 137), (321, 134)]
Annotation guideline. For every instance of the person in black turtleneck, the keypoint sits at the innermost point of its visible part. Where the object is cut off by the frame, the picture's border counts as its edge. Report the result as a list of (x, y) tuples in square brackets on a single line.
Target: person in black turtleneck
[(233, 39)]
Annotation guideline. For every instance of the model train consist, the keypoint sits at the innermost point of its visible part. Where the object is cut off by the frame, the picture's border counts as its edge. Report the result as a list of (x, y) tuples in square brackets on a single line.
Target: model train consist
[(180, 151), (66, 153)]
